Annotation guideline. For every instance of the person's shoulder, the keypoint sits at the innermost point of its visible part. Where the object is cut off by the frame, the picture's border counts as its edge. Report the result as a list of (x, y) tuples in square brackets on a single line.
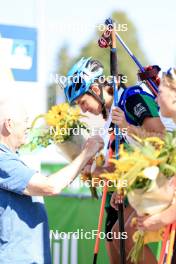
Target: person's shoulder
[(130, 91), (7, 155), (7, 158), (4, 155), (138, 93), (136, 88)]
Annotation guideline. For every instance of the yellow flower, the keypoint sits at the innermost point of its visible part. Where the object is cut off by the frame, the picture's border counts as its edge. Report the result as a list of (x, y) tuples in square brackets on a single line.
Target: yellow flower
[(61, 119), (122, 151), (62, 115), (100, 160), (155, 141)]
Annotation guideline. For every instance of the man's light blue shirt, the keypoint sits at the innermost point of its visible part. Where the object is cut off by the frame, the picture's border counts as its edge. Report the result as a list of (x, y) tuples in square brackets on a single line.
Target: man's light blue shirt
[(24, 231)]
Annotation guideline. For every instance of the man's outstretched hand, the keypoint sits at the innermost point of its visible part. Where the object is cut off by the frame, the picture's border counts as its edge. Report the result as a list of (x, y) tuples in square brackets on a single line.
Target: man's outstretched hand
[(93, 145)]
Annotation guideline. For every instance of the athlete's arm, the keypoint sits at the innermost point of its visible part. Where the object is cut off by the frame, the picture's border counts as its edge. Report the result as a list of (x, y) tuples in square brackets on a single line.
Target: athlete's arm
[(143, 111)]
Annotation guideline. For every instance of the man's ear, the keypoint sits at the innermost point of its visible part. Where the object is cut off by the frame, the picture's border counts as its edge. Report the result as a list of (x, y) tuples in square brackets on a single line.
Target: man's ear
[(95, 89), (8, 126)]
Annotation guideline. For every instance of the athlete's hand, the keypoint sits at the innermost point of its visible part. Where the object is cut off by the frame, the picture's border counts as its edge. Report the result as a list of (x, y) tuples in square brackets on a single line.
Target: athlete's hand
[(100, 170), (149, 223), (118, 118)]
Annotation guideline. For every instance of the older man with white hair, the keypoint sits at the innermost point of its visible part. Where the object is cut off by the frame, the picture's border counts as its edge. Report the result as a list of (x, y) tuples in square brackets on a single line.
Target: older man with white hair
[(24, 232)]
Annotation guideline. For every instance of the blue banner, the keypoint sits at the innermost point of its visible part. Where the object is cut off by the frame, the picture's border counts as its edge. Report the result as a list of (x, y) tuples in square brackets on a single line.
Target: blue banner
[(18, 53)]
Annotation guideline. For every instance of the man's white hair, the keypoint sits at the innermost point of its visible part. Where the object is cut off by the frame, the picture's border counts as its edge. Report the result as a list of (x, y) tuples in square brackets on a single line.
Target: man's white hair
[(11, 108)]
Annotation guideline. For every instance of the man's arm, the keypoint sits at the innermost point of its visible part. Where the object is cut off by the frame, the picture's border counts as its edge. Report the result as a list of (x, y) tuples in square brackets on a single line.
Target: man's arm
[(52, 185)]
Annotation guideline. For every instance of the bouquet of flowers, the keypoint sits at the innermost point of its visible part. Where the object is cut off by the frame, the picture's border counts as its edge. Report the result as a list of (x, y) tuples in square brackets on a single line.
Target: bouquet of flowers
[(62, 126), (148, 168)]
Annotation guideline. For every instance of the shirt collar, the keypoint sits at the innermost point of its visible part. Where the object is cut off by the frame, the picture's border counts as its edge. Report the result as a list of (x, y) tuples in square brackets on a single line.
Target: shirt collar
[(6, 149)]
